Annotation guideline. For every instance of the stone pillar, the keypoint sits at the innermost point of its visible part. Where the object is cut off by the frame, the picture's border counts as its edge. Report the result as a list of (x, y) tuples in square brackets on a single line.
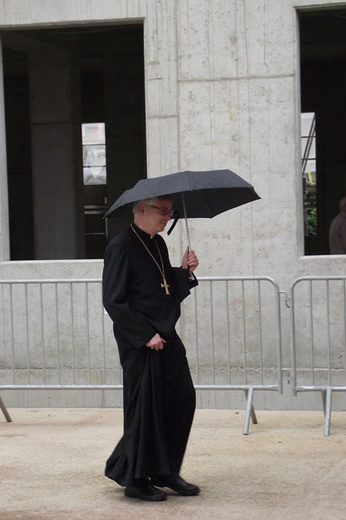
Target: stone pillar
[(4, 224), (57, 167)]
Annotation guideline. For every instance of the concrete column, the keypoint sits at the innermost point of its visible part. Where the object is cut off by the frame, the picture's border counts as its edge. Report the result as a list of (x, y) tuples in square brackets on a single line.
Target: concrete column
[(4, 224), (57, 168)]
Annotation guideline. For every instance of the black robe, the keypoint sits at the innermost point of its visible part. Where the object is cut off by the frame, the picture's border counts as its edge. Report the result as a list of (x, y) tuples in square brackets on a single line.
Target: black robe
[(159, 397)]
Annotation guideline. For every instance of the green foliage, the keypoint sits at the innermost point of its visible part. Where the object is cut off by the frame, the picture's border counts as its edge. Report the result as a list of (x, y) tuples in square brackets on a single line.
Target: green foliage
[(312, 214), (312, 222)]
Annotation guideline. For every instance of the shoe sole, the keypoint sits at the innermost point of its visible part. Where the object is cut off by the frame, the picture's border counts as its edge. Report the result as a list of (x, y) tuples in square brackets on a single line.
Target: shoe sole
[(179, 491), (158, 498)]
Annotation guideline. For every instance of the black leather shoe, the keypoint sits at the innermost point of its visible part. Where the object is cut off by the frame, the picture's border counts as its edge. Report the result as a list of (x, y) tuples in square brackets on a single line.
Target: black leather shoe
[(146, 492), (175, 482)]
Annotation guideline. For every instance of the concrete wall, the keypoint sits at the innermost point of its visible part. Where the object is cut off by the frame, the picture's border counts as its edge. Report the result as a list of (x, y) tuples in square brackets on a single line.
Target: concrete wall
[(222, 91)]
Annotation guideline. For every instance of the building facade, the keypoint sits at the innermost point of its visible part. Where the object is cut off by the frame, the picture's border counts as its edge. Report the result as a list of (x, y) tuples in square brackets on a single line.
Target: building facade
[(178, 86)]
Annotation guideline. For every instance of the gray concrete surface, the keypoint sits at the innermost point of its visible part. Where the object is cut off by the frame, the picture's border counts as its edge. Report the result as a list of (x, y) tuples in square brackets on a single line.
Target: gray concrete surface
[(52, 461)]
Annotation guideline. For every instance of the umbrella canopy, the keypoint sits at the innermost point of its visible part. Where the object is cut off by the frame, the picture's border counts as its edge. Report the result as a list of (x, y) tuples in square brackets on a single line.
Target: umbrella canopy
[(196, 194)]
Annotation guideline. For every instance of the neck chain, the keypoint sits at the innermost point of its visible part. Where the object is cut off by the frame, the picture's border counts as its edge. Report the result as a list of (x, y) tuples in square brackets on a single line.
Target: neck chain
[(161, 268)]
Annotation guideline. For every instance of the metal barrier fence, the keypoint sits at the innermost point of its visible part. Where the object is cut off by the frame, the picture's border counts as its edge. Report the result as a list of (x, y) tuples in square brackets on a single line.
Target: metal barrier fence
[(318, 337), (233, 329), (56, 335)]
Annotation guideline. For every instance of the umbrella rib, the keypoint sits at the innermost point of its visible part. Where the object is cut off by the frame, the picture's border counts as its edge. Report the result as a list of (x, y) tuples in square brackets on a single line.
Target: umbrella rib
[(206, 203)]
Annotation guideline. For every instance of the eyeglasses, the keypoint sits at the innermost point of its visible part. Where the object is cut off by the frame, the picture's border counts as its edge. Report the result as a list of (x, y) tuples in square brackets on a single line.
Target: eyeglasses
[(165, 212)]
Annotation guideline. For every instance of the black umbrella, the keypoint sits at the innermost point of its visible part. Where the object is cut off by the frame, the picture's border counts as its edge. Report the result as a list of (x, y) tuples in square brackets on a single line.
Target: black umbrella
[(196, 194)]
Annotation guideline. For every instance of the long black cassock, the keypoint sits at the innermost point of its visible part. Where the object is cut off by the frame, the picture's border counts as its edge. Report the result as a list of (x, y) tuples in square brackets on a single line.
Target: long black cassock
[(159, 397)]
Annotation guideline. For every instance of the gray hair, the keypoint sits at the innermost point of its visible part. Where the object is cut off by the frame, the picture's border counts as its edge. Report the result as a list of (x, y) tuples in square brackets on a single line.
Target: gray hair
[(149, 202)]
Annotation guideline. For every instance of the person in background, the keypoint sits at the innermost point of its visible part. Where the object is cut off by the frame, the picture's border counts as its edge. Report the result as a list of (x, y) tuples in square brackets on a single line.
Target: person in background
[(142, 294), (337, 231)]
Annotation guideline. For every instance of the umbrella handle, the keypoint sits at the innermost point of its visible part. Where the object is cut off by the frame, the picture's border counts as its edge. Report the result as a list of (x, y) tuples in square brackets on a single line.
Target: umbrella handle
[(172, 226), (186, 224)]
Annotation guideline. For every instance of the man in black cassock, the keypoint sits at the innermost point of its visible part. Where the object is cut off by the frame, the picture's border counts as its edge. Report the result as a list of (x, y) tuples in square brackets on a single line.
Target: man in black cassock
[(142, 294)]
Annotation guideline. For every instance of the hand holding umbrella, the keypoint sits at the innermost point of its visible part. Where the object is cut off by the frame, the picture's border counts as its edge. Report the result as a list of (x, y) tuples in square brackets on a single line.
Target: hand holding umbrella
[(190, 260)]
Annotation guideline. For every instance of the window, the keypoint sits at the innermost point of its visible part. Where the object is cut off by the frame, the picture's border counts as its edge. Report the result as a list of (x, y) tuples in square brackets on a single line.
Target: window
[(95, 192), (94, 154), (308, 145), (75, 135), (323, 107)]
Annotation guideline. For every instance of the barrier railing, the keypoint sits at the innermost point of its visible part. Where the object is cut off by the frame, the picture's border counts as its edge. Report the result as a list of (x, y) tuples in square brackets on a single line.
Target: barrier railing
[(56, 335), (233, 329), (318, 338)]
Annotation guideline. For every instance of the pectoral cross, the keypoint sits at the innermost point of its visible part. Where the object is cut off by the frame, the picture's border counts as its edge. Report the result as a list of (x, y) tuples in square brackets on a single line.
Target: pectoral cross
[(165, 285)]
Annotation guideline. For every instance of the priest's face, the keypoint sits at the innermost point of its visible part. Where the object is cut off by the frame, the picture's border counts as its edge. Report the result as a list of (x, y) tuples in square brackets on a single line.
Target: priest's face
[(156, 215)]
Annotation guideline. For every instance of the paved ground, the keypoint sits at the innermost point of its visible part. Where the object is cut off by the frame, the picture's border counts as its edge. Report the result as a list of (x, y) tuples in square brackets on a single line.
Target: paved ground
[(52, 461)]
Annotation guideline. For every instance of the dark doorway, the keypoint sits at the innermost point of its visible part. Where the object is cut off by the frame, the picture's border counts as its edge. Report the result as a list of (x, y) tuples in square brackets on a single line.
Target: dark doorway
[(323, 102), (105, 72)]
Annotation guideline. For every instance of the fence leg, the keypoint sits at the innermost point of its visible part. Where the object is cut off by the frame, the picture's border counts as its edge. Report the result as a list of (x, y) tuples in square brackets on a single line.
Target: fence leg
[(4, 411), (323, 394), (327, 409), (250, 411)]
